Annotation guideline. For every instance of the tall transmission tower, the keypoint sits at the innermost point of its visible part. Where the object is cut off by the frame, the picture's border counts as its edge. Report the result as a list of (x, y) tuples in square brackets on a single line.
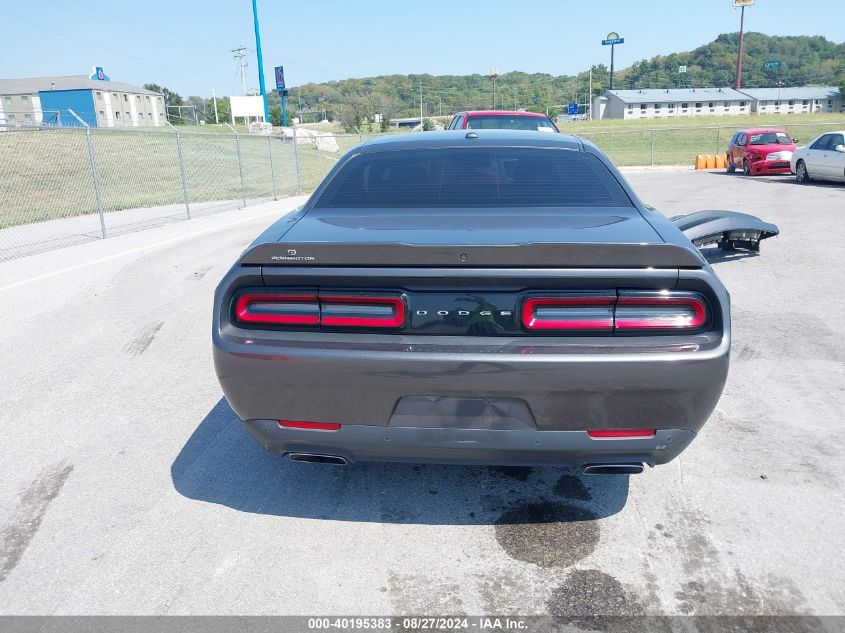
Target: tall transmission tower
[(240, 57)]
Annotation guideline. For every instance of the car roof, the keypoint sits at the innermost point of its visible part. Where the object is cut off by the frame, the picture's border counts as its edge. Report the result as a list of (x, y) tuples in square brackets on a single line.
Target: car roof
[(488, 138), (761, 130), (502, 112)]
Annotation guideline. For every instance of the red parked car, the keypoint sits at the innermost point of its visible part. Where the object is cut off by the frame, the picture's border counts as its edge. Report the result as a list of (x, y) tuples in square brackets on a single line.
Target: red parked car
[(760, 151), (502, 120)]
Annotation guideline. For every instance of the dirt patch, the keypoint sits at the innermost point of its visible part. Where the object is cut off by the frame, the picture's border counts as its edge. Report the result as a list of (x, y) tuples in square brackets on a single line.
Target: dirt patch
[(32, 506), (594, 600), (140, 343)]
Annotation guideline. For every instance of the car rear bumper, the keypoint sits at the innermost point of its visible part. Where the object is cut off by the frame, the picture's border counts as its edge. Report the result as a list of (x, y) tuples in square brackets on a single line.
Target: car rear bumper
[(574, 449), (538, 394)]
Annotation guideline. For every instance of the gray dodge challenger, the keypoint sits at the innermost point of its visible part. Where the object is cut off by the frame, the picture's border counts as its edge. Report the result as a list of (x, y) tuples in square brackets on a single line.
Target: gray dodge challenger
[(491, 297)]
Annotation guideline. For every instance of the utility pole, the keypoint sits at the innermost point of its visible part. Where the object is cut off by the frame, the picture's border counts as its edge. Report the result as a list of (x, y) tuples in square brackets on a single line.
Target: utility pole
[(591, 94), (261, 64), (240, 57), (421, 111), (494, 74), (742, 4), (214, 98)]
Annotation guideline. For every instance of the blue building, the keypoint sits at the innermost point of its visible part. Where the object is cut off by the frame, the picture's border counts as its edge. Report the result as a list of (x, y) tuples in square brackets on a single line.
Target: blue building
[(94, 99)]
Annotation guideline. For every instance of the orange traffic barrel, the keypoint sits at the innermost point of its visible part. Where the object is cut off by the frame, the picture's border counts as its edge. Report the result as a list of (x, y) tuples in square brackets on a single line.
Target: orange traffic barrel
[(700, 162), (721, 161), (710, 162)]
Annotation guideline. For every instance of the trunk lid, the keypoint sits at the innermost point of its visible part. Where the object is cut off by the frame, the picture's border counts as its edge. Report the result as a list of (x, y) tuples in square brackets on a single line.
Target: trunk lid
[(594, 237)]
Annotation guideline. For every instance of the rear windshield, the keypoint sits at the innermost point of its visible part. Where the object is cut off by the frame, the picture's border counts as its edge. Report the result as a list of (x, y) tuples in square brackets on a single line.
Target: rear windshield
[(474, 177), (770, 138), (509, 122)]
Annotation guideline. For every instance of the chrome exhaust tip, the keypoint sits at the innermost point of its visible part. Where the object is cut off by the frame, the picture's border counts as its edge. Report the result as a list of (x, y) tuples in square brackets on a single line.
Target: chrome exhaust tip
[(613, 469), (315, 458)]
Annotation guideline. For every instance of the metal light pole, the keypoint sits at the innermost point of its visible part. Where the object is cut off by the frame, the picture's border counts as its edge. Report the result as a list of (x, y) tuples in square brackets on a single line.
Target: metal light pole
[(742, 4), (494, 74), (260, 60), (214, 99)]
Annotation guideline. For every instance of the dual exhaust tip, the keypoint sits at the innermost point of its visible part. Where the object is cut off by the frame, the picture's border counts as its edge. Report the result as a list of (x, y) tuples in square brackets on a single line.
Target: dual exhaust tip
[(589, 469)]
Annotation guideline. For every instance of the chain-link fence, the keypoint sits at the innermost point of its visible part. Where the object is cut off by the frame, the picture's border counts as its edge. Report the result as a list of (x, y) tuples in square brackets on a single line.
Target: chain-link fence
[(665, 145), (61, 186)]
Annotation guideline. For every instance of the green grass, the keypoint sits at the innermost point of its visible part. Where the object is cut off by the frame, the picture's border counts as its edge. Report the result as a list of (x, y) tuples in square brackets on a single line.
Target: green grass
[(46, 174)]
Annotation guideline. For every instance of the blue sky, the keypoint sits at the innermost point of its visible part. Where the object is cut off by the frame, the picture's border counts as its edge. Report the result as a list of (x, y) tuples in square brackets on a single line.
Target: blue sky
[(185, 45)]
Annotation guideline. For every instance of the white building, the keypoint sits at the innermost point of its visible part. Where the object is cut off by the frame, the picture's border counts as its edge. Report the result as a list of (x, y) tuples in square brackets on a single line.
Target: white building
[(801, 100), (689, 102), (671, 102)]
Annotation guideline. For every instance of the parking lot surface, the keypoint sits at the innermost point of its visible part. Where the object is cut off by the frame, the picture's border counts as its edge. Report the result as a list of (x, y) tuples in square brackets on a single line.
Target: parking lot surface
[(129, 487)]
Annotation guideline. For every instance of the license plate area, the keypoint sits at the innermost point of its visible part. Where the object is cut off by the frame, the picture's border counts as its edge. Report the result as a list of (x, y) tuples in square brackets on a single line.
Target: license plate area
[(447, 412)]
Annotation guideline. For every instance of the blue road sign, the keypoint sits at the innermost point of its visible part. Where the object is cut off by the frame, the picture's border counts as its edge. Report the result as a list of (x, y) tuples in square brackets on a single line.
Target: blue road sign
[(617, 40), (280, 78), (572, 108)]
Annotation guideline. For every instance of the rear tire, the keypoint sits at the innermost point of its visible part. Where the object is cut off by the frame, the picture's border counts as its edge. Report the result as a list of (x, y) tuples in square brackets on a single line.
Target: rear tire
[(731, 168), (801, 173), (746, 168)]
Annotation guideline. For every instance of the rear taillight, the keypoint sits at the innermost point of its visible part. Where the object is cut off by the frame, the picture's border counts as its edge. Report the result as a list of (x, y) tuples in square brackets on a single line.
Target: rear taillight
[(347, 310), (313, 426), (630, 311), (660, 311), (355, 310), (278, 309), (620, 434), (573, 312)]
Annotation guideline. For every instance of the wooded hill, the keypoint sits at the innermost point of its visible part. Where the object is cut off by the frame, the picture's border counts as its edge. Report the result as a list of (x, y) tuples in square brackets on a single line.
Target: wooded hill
[(805, 60)]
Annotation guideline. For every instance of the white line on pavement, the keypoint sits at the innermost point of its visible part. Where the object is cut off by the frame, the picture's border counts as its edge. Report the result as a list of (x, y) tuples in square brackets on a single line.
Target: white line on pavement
[(137, 250)]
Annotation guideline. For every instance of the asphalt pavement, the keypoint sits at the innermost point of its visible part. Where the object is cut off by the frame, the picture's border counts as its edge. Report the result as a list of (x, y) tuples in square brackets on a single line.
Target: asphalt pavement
[(129, 487)]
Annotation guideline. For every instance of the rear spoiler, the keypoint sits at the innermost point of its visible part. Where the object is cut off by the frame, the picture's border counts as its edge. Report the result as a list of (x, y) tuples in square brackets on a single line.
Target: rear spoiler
[(532, 255), (729, 230)]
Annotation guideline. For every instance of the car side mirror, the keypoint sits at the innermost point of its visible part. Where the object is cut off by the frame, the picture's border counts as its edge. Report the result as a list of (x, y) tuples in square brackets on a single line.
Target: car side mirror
[(795, 141), (840, 148)]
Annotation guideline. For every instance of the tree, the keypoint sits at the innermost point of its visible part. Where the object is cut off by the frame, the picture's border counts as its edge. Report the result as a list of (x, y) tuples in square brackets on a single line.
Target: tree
[(427, 125), (385, 122), (170, 99), (224, 110), (276, 115), (351, 114)]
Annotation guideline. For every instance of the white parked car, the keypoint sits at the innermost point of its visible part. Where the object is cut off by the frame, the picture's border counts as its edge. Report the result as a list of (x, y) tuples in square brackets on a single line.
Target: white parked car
[(822, 159)]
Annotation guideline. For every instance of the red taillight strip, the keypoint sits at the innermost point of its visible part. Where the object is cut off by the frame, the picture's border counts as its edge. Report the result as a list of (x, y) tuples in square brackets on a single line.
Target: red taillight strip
[(531, 322), (244, 301), (620, 434), (395, 320), (314, 426), (698, 319)]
